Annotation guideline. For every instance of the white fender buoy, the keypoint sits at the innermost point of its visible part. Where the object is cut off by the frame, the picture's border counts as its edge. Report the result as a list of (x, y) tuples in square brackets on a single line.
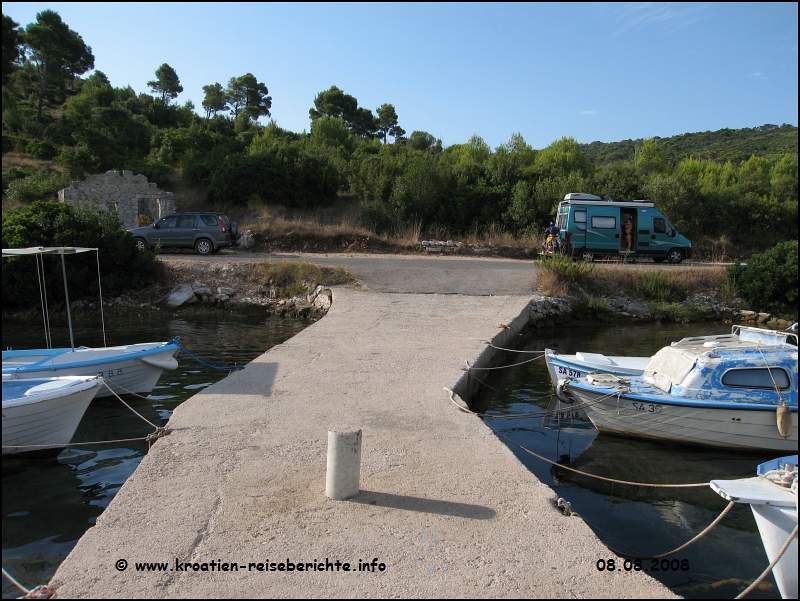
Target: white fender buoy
[(784, 415)]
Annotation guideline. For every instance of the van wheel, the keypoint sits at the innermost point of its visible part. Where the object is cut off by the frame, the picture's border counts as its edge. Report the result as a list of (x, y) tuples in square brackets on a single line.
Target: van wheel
[(588, 257), (675, 256)]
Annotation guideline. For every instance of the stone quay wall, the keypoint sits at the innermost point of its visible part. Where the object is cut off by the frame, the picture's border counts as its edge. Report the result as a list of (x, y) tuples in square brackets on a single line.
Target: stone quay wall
[(128, 194)]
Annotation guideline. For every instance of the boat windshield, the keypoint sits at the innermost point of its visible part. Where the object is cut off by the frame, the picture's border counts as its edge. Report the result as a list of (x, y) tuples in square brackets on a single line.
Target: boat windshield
[(669, 366)]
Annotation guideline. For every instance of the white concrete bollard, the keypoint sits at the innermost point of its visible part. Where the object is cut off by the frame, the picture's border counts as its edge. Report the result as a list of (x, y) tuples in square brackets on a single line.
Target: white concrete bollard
[(344, 464)]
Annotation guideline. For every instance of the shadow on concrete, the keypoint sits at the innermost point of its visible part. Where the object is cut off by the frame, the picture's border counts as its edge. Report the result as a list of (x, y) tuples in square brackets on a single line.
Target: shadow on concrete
[(459, 510)]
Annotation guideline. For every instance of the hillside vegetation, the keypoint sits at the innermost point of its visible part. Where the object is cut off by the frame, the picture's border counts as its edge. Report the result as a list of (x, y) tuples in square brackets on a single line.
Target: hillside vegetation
[(734, 145), (735, 186)]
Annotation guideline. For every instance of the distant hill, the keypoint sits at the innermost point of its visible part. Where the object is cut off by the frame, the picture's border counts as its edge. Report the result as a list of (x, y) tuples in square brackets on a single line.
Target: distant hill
[(735, 145)]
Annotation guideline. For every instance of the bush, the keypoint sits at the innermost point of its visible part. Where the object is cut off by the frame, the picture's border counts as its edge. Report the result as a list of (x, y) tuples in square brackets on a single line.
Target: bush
[(561, 275), (658, 287), (41, 150), (122, 266), (769, 281), (43, 185)]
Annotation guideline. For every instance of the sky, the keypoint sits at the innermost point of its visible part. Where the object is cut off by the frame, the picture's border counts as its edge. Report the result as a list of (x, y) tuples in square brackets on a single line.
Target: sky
[(599, 71)]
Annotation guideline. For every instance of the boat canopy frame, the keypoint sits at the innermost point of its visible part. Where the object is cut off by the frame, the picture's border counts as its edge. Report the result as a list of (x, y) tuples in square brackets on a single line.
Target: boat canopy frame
[(38, 251)]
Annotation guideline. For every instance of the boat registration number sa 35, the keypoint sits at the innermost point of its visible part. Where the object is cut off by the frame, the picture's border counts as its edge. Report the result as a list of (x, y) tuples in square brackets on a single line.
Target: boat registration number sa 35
[(570, 373), (639, 406)]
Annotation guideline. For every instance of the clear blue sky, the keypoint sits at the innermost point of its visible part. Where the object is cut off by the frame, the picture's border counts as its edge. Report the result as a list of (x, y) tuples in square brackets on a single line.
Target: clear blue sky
[(597, 71)]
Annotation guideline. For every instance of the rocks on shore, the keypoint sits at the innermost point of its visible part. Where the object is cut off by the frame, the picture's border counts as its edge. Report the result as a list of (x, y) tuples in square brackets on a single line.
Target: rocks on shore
[(312, 305)]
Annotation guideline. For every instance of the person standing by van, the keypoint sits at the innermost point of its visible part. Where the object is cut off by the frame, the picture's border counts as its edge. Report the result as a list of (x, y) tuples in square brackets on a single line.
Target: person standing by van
[(627, 232)]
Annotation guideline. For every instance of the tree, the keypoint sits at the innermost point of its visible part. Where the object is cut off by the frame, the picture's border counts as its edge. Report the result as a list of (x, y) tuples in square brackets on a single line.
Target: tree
[(214, 100), (246, 94), (363, 124), (422, 140), (166, 83), (387, 122), (12, 47), (334, 103), (55, 51)]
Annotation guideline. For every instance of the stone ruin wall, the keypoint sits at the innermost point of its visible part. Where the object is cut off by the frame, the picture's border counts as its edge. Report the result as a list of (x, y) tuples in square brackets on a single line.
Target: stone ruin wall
[(128, 194)]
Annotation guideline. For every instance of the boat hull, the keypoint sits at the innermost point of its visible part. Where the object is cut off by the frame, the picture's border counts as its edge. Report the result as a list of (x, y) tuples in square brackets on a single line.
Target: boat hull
[(126, 369), (775, 524), (46, 421), (745, 428)]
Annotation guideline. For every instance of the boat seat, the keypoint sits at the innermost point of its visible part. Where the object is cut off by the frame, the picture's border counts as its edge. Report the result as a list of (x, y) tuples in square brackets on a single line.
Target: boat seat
[(594, 358)]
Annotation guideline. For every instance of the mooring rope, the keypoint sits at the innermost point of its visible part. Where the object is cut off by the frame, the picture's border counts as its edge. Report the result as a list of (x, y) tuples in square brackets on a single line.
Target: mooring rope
[(511, 350), (40, 592), (470, 367), (201, 362), (771, 565), (571, 469), (544, 413), (158, 432)]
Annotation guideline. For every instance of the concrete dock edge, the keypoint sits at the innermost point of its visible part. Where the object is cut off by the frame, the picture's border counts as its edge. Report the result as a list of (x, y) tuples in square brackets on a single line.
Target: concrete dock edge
[(444, 506)]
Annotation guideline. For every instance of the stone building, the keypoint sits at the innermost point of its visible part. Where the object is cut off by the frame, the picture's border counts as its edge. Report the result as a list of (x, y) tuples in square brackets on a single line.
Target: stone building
[(128, 194)]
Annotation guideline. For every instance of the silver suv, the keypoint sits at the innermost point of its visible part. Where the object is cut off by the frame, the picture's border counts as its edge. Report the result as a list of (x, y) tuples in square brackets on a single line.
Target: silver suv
[(205, 232)]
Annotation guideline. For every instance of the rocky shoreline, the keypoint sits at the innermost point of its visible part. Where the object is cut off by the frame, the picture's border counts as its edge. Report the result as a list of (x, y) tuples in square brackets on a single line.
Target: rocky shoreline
[(198, 286)]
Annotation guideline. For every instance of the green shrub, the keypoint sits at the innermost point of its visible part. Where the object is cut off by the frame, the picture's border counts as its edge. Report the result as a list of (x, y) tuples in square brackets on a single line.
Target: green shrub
[(769, 281), (575, 275), (13, 175), (41, 150), (656, 286), (42, 185), (122, 266), (674, 312)]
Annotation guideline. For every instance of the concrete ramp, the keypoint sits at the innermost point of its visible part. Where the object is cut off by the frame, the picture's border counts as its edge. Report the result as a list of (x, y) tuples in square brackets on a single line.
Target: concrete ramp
[(445, 509)]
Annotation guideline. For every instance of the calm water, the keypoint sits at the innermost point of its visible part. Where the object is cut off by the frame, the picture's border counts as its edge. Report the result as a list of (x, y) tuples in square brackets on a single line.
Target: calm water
[(49, 503), (634, 519)]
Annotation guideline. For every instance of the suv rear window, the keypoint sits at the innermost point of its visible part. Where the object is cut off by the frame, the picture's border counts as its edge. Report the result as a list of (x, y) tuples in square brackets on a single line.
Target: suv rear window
[(209, 219)]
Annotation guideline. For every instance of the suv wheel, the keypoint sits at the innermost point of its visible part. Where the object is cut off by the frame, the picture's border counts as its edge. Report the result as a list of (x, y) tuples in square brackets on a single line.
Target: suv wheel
[(141, 244), (204, 246), (675, 256)]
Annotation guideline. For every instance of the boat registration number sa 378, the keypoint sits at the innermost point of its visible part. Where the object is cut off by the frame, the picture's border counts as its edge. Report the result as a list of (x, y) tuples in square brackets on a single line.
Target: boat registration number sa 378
[(570, 373), (639, 406)]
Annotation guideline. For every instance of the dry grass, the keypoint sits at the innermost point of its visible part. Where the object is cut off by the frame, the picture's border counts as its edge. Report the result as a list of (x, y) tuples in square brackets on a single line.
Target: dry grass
[(23, 161), (290, 278), (694, 280)]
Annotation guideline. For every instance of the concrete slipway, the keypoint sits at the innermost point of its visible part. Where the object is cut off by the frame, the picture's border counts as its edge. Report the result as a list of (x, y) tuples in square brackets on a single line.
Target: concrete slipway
[(444, 505)]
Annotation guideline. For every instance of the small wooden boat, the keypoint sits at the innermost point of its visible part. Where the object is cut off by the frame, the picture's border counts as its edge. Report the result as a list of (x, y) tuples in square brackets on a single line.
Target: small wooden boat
[(42, 414)]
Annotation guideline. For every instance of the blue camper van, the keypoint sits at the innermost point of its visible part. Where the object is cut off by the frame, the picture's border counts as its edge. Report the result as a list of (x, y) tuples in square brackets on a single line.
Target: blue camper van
[(592, 227)]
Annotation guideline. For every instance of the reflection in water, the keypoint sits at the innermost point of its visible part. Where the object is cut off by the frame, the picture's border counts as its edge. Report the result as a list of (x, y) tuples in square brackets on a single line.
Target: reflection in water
[(637, 520), (49, 503)]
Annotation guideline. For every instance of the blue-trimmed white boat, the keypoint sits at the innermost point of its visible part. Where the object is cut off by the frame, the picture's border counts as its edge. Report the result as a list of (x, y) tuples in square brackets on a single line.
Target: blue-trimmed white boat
[(718, 393), (772, 496), (42, 414), (133, 368)]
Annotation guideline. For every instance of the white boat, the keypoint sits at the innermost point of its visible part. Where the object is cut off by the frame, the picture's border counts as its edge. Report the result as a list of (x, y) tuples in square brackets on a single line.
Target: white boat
[(774, 507), (133, 368), (718, 393), (43, 414), (563, 367)]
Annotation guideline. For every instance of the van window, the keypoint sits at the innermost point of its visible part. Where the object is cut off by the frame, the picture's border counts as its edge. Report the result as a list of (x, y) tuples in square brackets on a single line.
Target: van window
[(580, 220), (604, 223), (662, 226), (756, 378)]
